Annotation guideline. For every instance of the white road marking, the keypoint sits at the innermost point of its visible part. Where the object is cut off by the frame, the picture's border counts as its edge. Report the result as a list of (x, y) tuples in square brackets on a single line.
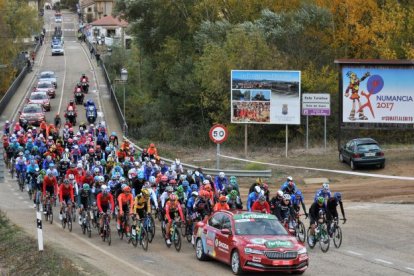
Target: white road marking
[(383, 261), (409, 268), (354, 253), (63, 85), (321, 170)]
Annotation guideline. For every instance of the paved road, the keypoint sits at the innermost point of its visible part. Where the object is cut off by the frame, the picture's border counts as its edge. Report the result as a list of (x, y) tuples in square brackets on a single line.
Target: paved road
[(377, 237)]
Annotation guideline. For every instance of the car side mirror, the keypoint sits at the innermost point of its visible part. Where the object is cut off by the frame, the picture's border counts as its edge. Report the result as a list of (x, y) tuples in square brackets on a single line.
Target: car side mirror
[(226, 231)]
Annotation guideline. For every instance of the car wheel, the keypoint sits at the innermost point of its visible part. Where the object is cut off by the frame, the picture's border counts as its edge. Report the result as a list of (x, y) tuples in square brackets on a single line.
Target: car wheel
[(235, 263), (341, 157), (201, 256), (352, 164), (382, 165)]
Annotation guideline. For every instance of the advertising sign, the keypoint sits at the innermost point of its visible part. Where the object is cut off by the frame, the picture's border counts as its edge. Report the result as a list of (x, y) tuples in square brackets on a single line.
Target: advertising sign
[(316, 104), (377, 94), (265, 97)]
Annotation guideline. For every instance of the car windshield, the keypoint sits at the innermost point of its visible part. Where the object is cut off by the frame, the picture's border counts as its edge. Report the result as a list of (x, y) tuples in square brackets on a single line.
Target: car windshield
[(44, 85), (57, 46), (32, 109), (46, 75), (368, 147), (91, 108), (258, 225), (38, 96)]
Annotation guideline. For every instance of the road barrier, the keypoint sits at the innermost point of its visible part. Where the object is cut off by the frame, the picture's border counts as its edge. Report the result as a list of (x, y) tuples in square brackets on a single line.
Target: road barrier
[(238, 173)]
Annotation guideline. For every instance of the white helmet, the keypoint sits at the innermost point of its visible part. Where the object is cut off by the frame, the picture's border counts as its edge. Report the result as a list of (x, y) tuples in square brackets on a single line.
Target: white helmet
[(280, 193), (71, 176), (325, 186), (195, 193), (104, 187), (205, 182), (286, 196), (79, 165), (289, 178), (221, 174), (257, 189)]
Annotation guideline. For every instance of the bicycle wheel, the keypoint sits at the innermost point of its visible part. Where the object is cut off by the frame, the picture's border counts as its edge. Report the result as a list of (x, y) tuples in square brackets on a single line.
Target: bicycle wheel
[(70, 224), (189, 233), (50, 213), (183, 226), (144, 239), (134, 237), (63, 223), (337, 237), (108, 236), (83, 228), (309, 237), (324, 240), (300, 232), (177, 239), (163, 232), (151, 232)]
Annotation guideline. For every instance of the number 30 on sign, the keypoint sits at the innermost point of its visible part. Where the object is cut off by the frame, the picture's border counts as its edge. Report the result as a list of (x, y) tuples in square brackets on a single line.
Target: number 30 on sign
[(218, 134)]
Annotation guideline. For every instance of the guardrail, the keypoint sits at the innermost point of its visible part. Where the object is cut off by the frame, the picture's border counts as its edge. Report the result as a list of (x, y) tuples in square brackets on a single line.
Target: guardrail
[(15, 85), (238, 173)]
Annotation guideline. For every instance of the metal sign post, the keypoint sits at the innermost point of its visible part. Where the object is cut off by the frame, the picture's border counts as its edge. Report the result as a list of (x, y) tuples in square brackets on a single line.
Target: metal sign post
[(286, 141), (245, 141), (324, 131), (307, 132), (39, 230), (218, 134)]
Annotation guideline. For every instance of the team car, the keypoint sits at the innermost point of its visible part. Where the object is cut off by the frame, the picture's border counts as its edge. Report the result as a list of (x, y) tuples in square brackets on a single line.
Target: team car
[(40, 98), (57, 50), (362, 152), (32, 114), (48, 76), (46, 86), (249, 242)]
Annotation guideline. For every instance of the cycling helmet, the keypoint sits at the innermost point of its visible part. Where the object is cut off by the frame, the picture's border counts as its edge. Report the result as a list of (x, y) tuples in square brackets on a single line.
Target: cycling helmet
[(205, 182), (122, 179), (222, 175), (233, 193), (91, 150), (49, 173), (338, 196), (180, 189), (194, 193), (164, 178), (104, 187), (140, 175), (152, 179), (265, 187), (96, 178), (145, 193), (172, 182), (257, 189), (70, 140), (325, 186), (185, 183), (320, 200), (169, 189), (223, 199), (194, 187), (173, 197), (183, 177), (123, 186), (96, 170), (71, 176), (286, 197), (289, 178), (101, 178), (132, 175), (207, 187), (280, 193), (126, 189), (51, 165), (263, 198), (103, 162), (66, 181), (298, 193), (86, 187)]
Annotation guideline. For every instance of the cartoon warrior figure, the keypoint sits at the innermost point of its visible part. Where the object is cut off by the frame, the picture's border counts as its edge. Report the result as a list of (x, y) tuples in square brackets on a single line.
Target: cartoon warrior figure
[(353, 86)]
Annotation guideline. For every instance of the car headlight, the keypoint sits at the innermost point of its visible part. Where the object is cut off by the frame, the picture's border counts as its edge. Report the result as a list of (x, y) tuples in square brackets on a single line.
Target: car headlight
[(302, 251), (248, 250)]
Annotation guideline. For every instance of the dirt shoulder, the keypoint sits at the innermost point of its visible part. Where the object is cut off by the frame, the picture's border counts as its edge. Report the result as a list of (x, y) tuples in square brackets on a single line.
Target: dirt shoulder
[(19, 255)]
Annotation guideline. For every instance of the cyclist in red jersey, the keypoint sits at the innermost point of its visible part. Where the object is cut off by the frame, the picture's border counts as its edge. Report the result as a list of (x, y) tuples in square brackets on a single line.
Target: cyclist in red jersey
[(171, 207), (104, 201), (124, 199), (66, 196), (222, 204)]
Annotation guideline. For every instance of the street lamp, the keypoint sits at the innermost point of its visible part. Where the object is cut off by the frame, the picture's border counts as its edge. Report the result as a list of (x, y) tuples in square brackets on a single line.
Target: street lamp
[(124, 79)]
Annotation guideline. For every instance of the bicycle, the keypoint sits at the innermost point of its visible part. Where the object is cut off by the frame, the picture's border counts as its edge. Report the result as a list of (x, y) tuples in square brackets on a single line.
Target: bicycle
[(94, 216), (106, 231), (21, 176), (300, 230), (12, 167), (38, 198), (86, 222), (336, 233), (48, 211), (124, 225), (149, 225), (67, 217), (138, 236), (175, 235), (321, 236)]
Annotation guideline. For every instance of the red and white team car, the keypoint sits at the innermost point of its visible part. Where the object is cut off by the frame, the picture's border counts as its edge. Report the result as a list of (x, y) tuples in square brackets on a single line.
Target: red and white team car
[(249, 242)]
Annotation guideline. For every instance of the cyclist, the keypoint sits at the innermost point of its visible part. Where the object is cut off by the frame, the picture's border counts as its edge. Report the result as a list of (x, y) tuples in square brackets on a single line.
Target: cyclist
[(221, 204), (220, 181), (261, 205), (125, 199), (84, 199), (104, 201), (257, 183), (65, 196), (202, 204), (182, 196), (171, 207), (49, 185), (297, 199), (234, 201), (289, 187), (314, 213), (284, 210), (253, 196), (166, 195), (323, 192), (142, 204), (332, 213)]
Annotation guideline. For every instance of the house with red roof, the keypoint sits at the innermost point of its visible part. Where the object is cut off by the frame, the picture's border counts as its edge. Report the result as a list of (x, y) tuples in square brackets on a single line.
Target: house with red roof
[(109, 30)]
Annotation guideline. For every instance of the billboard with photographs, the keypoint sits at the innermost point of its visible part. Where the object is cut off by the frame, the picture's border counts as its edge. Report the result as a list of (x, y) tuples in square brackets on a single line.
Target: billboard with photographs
[(265, 97), (377, 94)]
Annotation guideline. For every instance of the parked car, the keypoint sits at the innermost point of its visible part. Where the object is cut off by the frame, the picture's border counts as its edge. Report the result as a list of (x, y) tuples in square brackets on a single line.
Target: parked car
[(33, 114), (57, 49), (46, 86), (249, 242), (362, 152), (40, 98), (48, 76)]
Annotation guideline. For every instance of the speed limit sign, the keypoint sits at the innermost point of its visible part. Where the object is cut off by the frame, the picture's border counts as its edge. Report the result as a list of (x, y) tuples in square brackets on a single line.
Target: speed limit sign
[(218, 134)]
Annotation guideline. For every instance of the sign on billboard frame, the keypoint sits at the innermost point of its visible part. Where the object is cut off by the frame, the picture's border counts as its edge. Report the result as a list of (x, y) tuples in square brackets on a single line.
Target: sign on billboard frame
[(265, 97), (316, 104)]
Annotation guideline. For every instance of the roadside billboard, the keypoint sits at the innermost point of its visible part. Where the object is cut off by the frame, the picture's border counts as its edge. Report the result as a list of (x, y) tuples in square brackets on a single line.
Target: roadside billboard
[(265, 97), (377, 94), (316, 104)]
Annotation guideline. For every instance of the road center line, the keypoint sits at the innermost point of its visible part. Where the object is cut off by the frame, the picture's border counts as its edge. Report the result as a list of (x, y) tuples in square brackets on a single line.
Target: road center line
[(354, 253), (383, 261), (63, 84)]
